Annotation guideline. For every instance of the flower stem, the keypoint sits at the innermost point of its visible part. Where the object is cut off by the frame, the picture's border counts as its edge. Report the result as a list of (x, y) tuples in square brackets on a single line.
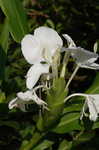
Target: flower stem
[(72, 76), (73, 95), (55, 64), (55, 71), (65, 62)]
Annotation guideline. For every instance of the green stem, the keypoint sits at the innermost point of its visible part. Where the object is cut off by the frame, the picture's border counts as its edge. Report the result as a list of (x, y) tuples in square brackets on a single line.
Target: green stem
[(65, 62), (72, 76), (55, 71)]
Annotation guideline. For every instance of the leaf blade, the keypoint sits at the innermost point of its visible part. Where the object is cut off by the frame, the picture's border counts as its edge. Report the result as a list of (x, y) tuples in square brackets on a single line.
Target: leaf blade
[(15, 14)]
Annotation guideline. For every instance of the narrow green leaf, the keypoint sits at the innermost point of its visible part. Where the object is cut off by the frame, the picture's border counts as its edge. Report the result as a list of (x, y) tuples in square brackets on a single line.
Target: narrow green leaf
[(12, 124), (94, 88), (72, 108), (44, 145), (32, 143), (65, 145), (4, 37), (68, 122), (15, 14)]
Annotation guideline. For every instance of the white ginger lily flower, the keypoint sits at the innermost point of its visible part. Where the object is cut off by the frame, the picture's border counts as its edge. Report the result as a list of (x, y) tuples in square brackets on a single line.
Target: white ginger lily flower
[(24, 98), (83, 58), (38, 48), (92, 102)]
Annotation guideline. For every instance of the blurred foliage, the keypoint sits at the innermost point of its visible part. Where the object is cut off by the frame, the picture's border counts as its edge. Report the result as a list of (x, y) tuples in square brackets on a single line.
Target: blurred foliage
[(18, 130)]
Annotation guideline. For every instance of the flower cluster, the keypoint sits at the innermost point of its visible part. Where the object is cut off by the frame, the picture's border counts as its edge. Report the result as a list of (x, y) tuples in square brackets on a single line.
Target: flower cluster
[(39, 51), (83, 59), (42, 51)]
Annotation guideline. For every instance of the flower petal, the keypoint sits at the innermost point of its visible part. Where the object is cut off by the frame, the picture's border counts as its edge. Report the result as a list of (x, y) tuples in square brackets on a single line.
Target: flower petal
[(17, 103), (34, 73), (90, 66), (81, 55), (70, 42), (49, 39), (13, 103), (31, 49), (92, 109), (25, 96), (95, 98), (37, 100)]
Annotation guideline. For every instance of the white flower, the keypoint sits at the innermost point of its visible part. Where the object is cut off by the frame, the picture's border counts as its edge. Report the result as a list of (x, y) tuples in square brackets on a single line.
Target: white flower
[(20, 101), (83, 58), (24, 98), (38, 48), (92, 102)]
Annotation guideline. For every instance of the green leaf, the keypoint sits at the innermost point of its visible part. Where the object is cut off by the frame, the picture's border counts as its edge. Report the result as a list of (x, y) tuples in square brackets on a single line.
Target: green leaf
[(68, 122), (44, 145), (4, 37), (95, 125), (2, 97), (83, 137), (12, 124), (15, 14), (27, 145), (65, 145), (72, 108), (27, 131), (94, 88)]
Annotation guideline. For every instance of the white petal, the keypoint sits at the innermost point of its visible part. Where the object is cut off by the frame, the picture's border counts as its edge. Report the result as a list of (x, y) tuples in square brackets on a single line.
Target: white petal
[(95, 47), (31, 49), (37, 100), (91, 60), (49, 39), (34, 73), (13, 103), (92, 109), (17, 103), (90, 66), (82, 56), (25, 96), (96, 101), (70, 42)]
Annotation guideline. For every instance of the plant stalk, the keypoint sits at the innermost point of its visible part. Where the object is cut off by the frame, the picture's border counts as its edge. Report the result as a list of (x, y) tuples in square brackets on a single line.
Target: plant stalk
[(72, 76)]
